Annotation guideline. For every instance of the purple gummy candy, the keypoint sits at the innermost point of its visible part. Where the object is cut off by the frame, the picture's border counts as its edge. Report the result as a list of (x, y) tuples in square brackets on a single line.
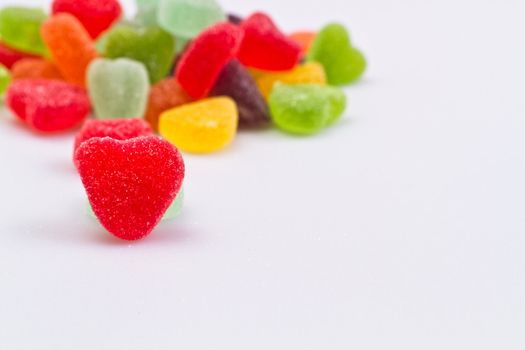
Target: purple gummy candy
[(232, 18), (236, 82)]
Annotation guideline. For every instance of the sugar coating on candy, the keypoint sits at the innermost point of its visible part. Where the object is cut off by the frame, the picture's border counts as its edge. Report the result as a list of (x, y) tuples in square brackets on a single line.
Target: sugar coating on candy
[(95, 15), (308, 73), (206, 56), (130, 184), (164, 95), (48, 105), (9, 56), (265, 47), (5, 79), (20, 29), (152, 46), (35, 68), (306, 109), (204, 126), (236, 82), (70, 45), (304, 39), (172, 212), (333, 49), (118, 88), (187, 18), (118, 129)]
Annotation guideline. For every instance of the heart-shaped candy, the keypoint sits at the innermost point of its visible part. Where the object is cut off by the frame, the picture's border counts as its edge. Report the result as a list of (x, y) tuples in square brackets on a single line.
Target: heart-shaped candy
[(173, 211), (204, 126), (333, 49), (70, 46), (20, 29), (146, 12), (187, 18), (265, 47), (236, 82), (164, 95), (118, 88), (306, 108), (95, 15), (35, 68), (48, 105), (152, 46), (202, 62), (118, 129), (130, 183)]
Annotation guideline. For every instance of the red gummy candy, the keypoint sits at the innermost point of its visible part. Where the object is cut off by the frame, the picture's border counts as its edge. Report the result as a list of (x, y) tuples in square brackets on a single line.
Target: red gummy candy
[(265, 47), (95, 15), (118, 129), (48, 105), (206, 56), (130, 183), (9, 56)]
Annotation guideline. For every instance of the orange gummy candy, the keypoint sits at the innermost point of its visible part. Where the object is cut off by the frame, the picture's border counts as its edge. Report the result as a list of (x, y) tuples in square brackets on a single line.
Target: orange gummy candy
[(35, 68), (70, 45), (304, 39), (164, 95)]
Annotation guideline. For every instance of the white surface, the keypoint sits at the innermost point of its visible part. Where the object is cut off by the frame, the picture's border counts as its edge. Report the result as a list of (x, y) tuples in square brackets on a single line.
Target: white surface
[(400, 228)]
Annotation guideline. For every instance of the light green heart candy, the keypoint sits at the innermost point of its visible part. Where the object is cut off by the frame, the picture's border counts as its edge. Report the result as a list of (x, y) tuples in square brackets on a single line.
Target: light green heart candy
[(332, 48), (306, 108), (147, 12), (118, 88), (187, 18)]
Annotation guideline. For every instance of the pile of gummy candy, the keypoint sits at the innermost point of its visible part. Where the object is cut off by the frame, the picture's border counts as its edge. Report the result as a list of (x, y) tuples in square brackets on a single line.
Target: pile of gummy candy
[(180, 68)]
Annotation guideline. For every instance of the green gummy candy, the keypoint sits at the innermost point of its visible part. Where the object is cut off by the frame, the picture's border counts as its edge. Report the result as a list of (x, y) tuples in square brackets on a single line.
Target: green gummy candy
[(306, 108), (176, 207), (5, 79), (180, 44), (118, 88), (147, 12), (173, 210), (20, 29), (147, 16), (100, 42), (187, 18), (152, 46), (332, 48)]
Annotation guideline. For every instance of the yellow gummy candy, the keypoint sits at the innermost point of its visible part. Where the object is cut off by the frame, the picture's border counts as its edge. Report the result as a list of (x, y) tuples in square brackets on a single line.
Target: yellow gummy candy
[(308, 73), (204, 126)]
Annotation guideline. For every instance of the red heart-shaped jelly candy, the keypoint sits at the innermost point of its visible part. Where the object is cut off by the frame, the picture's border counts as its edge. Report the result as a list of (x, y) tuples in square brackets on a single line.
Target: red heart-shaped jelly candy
[(130, 183), (95, 15), (265, 47), (206, 56), (48, 105), (119, 129)]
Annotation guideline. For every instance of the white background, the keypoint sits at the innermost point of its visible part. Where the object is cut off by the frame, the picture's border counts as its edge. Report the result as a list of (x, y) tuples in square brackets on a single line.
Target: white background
[(402, 227)]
